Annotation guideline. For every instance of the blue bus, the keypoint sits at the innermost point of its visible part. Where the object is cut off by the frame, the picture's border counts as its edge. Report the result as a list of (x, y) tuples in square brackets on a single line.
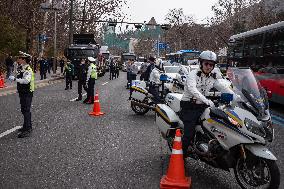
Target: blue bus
[(188, 57)]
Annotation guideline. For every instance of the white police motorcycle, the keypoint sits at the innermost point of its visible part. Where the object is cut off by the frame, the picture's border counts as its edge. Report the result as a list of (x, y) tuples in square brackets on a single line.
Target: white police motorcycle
[(140, 98), (231, 136)]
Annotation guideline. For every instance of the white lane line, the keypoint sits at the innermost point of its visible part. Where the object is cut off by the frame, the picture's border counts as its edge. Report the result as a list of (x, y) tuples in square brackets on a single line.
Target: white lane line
[(105, 83), (9, 131), (77, 97)]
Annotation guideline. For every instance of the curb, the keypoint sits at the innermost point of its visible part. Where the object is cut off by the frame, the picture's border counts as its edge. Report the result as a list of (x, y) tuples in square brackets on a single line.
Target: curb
[(8, 88)]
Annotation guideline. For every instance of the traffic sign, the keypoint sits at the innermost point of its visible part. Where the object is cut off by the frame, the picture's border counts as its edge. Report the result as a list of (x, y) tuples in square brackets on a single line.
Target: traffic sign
[(49, 7), (162, 45), (42, 37)]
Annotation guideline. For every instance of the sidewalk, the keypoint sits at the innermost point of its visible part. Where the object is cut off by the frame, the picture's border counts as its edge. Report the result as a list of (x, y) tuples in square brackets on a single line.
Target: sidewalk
[(49, 77)]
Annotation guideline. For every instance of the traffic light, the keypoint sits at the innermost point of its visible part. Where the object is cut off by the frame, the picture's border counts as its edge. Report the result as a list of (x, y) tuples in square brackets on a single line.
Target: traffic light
[(165, 26), (138, 26), (112, 24)]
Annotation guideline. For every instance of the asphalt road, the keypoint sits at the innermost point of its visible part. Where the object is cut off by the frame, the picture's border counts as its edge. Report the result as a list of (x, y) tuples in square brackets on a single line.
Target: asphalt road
[(70, 149)]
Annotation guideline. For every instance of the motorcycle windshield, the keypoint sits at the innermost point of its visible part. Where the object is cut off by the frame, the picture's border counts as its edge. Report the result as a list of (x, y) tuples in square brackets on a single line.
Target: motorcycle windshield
[(249, 89)]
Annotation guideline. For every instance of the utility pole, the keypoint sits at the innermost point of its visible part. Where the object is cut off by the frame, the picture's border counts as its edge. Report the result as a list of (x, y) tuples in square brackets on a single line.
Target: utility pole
[(71, 22), (55, 40), (44, 33), (158, 46), (84, 17)]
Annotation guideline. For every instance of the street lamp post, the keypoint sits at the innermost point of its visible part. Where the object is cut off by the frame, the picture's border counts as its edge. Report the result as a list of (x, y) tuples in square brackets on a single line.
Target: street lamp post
[(53, 7), (158, 46), (71, 22), (55, 40)]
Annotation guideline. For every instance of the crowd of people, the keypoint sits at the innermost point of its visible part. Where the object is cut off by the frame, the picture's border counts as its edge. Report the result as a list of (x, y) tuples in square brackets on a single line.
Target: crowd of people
[(44, 65), (193, 98)]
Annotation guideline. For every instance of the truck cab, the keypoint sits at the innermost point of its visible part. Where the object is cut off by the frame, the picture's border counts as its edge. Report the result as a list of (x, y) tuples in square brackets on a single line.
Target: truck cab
[(83, 46)]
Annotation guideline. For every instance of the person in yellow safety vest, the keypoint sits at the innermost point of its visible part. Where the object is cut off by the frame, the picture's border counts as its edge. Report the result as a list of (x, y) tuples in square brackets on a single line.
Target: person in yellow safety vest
[(91, 78), (25, 87), (68, 72)]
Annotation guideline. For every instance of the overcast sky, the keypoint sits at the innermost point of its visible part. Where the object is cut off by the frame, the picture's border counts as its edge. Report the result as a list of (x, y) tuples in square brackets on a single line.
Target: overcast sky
[(143, 10)]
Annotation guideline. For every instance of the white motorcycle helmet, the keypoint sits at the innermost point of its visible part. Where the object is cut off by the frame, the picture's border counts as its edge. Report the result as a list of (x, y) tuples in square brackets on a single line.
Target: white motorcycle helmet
[(91, 59), (207, 55), (159, 64)]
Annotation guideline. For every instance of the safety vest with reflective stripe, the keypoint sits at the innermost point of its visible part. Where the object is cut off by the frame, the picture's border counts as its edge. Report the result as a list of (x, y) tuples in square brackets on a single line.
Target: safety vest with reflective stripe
[(94, 71), (32, 83)]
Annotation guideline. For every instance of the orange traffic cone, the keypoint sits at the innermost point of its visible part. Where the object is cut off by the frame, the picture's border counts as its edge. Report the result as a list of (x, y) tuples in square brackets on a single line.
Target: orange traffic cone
[(175, 177), (2, 82), (97, 107)]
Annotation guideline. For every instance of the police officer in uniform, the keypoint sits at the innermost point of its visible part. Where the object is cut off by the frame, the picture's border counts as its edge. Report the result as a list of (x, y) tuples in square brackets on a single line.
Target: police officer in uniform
[(69, 72), (82, 75), (25, 87), (111, 69), (149, 69), (91, 78), (194, 101), (154, 84), (42, 68), (128, 69)]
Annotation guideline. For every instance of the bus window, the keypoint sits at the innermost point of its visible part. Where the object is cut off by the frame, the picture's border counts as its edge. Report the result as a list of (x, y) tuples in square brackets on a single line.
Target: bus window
[(254, 45), (268, 44), (238, 49), (279, 44)]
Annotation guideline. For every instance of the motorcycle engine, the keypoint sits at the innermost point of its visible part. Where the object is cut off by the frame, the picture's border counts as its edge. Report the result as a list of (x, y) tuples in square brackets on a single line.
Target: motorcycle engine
[(210, 149), (203, 147)]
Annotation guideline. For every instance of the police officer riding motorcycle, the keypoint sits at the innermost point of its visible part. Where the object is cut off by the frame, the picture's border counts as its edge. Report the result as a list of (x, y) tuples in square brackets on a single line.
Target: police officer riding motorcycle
[(194, 101), (230, 130), (154, 82), (144, 99)]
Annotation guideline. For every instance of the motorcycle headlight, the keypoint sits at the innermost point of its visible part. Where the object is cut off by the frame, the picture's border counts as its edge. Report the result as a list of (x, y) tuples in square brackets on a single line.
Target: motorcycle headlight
[(255, 127)]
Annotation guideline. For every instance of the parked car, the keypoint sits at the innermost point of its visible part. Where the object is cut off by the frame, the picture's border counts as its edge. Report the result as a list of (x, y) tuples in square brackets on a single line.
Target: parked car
[(172, 71)]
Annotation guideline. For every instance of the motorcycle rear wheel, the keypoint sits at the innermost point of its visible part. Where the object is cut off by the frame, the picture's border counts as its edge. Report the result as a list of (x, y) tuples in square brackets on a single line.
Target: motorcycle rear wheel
[(257, 173), (139, 110)]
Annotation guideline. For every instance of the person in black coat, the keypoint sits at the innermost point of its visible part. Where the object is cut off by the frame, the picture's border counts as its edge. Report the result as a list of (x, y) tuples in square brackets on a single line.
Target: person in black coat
[(149, 69), (116, 69), (111, 70), (82, 77), (35, 64), (9, 65), (42, 68), (61, 64)]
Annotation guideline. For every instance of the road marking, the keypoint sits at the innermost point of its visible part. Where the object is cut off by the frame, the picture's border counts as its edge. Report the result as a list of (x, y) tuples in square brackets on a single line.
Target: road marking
[(277, 120), (9, 131), (77, 97), (105, 83)]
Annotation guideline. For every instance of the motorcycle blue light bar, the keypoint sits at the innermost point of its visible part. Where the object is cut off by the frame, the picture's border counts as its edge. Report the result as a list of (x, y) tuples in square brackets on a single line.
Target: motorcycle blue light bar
[(227, 97), (163, 77)]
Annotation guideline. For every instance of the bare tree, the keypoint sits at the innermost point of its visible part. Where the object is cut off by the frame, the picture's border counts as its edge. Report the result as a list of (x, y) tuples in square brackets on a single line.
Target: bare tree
[(27, 15)]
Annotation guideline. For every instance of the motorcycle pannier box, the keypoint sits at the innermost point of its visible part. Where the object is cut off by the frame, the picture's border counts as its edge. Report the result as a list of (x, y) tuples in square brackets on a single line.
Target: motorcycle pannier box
[(165, 118), (138, 93), (173, 100)]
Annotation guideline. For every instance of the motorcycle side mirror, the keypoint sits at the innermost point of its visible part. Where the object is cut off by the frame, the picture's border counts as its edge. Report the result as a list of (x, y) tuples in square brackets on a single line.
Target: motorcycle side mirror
[(226, 97)]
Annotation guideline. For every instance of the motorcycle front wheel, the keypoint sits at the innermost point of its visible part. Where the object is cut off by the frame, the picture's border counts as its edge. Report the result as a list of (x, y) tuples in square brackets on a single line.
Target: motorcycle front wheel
[(139, 110), (257, 173)]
